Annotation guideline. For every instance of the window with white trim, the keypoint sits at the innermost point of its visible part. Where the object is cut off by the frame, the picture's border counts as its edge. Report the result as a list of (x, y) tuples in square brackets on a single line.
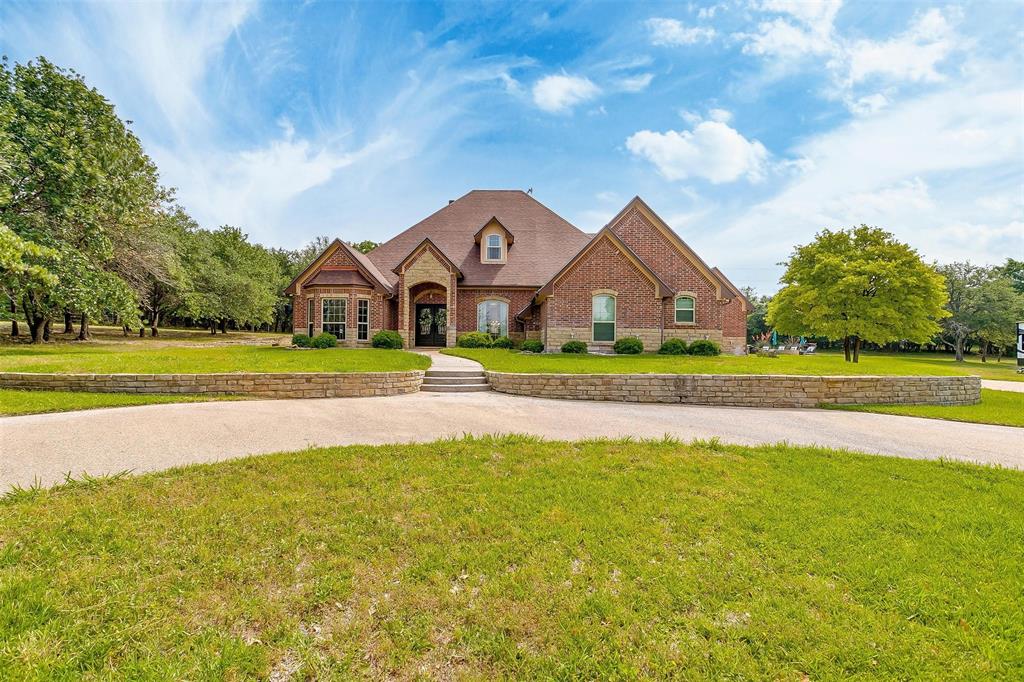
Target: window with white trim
[(604, 317), (494, 247), (362, 319), (333, 316), (685, 309), (492, 318)]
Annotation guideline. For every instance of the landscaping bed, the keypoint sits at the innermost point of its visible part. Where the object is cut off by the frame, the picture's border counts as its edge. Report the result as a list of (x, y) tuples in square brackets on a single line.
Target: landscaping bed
[(824, 364), (512, 557), (87, 358)]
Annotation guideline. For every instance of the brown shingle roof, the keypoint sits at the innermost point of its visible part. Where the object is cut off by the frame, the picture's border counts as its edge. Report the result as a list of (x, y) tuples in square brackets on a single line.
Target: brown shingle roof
[(544, 241), (345, 277)]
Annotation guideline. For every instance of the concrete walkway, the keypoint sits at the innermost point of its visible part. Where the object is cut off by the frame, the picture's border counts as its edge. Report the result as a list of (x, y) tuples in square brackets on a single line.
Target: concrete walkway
[(45, 447), (1015, 386), (439, 360)]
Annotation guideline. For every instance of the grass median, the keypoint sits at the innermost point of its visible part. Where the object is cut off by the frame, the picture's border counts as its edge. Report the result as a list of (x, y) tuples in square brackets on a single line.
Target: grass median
[(513, 557), (13, 402)]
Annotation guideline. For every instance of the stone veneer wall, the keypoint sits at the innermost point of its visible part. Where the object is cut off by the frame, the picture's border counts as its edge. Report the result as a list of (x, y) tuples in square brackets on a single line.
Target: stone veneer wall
[(744, 390), (264, 385)]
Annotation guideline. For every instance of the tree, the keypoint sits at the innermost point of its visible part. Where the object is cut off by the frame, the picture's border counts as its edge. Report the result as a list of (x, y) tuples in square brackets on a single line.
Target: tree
[(982, 304), (76, 181), (757, 325), (858, 285), (1014, 270), (365, 246)]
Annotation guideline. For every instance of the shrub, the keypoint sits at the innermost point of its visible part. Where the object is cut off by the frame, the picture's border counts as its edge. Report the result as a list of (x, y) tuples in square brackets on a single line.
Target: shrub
[(474, 340), (324, 340), (301, 340), (387, 338), (533, 346), (673, 347), (628, 345), (704, 347), (574, 346), (502, 342)]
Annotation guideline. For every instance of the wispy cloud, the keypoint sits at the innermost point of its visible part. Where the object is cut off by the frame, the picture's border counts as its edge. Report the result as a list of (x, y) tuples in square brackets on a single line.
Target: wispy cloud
[(559, 93)]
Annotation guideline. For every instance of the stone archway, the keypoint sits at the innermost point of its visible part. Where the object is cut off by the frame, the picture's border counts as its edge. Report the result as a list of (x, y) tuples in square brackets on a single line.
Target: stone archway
[(428, 314)]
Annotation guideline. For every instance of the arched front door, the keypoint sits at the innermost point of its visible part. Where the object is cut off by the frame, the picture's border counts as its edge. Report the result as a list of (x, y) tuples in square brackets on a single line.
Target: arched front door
[(431, 324)]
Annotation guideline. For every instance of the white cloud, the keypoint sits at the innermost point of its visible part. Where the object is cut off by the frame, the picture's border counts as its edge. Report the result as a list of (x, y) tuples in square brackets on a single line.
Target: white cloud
[(805, 29), (720, 115), (673, 32), (911, 56), (636, 83), (868, 104), (561, 92), (817, 15), (712, 150), (916, 168)]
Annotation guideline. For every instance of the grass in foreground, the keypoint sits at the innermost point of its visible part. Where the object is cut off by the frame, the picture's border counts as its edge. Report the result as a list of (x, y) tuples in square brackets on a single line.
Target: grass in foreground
[(500, 360), (996, 407), (104, 359), (518, 558), (14, 402)]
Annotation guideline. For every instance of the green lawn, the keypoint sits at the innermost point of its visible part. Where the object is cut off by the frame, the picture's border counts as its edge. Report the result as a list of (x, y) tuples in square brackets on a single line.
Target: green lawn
[(514, 558), (996, 407), (501, 360), (34, 402), (113, 358)]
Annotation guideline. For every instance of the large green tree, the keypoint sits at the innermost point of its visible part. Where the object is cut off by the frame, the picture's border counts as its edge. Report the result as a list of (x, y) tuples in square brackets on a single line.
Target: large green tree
[(858, 285), (76, 181), (983, 305)]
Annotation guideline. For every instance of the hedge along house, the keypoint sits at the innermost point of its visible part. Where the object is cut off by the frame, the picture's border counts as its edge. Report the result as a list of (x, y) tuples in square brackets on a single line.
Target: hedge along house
[(501, 262)]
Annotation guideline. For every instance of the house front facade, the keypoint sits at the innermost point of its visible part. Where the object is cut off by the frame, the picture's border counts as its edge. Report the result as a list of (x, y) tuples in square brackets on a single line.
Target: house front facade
[(499, 261)]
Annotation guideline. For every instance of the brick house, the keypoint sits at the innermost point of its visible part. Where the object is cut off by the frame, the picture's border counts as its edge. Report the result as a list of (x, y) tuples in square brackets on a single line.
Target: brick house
[(502, 262)]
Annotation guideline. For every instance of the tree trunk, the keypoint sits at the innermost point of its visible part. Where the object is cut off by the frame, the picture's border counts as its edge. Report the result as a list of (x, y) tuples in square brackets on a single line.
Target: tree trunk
[(856, 349), (124, 329), (142, 331), (846, 348), (224, 326), (959, 348), (69, 327), (154, 325), (46, 330), (14, 322), (83, 330), (213, 327)]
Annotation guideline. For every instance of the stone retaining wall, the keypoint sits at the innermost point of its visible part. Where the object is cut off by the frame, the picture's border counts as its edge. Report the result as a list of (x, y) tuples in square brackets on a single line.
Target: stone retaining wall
[(744, 390), (264, 385)]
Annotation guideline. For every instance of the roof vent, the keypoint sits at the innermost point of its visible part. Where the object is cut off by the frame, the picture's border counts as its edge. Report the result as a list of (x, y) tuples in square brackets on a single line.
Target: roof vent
[(451, 201)]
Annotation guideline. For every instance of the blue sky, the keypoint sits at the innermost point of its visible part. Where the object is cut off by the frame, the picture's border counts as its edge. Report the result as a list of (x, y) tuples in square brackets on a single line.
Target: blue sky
[(747, 125)]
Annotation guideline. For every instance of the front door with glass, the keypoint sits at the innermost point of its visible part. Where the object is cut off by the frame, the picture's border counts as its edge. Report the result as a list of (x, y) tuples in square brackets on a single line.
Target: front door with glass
[(431, 324)]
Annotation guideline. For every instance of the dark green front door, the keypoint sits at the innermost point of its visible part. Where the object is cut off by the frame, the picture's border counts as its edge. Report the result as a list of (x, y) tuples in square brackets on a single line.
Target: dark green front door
[(431, 324)]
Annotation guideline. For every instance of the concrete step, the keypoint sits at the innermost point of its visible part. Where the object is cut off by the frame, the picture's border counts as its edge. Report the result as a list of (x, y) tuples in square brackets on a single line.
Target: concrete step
[(454, 380), (454, 373), (458, 388)]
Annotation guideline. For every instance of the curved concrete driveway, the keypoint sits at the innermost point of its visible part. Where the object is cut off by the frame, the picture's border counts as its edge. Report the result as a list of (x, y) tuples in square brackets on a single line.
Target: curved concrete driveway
[(45, 447)]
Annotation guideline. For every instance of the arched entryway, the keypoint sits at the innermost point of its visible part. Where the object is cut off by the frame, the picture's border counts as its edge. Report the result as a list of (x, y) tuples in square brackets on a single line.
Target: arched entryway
[(428, 315)]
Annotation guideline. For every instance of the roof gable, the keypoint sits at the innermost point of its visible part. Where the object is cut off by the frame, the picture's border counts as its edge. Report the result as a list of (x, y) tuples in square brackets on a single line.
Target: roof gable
[(509, 237), (661, 289), (366, 269), (425, 245)]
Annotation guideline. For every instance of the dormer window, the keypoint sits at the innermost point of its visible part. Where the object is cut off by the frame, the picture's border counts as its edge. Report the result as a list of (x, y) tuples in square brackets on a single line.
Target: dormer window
[(494, 247)]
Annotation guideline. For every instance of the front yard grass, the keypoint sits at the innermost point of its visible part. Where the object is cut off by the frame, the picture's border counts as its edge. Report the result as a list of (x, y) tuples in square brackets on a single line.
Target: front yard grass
[(13, 402), (516, 558), (126, 359), (996, 407), (500, 360)]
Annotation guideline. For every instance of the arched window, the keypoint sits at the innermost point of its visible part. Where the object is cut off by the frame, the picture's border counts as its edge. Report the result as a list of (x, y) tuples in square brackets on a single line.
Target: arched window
[(604, 318), (494, 247), (492, 317), (685, 310)]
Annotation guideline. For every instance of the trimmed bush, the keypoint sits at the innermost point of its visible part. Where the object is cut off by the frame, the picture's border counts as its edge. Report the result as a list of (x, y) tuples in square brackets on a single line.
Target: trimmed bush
[(574, 346), (324, 340), (628, 345), (533, 346), (387, 338), (502, 342), (301, 340), (673, 347), (474, 340), (704, 347)]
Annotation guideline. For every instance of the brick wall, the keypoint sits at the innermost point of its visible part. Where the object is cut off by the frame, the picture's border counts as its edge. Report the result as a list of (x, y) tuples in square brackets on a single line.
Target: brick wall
[(264, 385), (517, 300), (352, 294), (743, 390)]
